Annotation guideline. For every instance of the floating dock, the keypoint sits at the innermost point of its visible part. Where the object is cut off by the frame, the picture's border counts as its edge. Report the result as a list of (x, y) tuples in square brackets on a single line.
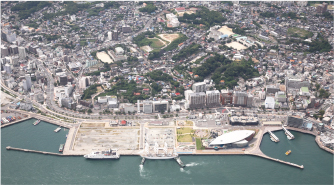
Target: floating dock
[(273, 137), (288, 134), (57, 129), (178, 160)]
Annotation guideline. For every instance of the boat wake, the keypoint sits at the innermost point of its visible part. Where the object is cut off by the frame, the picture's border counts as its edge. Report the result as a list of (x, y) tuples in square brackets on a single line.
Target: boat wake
[(194, 164), (185, 171), (142, 171)]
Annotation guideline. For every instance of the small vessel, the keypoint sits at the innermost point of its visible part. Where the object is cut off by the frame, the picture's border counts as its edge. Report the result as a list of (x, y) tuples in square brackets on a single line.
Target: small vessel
[(57, 129), (36, 122), (109, 154), (61, 147), (288, 152)]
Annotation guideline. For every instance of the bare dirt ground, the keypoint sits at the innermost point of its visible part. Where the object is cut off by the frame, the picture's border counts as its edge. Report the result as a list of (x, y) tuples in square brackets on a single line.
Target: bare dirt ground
[(226, 30), (169, 37), (146, 48), (104, 57), (236, 45), (188, 12)]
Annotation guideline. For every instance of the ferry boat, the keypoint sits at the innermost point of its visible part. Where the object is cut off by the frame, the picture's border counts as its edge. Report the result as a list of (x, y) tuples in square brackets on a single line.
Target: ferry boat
[(61, 147), (109, 154), (288, 152), (36, 122), (159, 153), (57, 129)]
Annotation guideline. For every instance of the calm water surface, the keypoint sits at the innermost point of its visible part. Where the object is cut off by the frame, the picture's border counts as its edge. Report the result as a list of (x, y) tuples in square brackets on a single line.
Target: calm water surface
[(30, 168)]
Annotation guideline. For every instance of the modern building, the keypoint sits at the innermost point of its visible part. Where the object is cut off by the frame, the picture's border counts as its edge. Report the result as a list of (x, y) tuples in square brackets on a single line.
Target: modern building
[(126, 29), (243, 120), (114, 35), (147, 107), (294, 121), (63, 79), (296, 82), (4, 51), (84, 82), (196, 100), (22, 52), (160, 106), (199, 87), (14, 50), (28, 80), (238, 138), (304, 91), (212, 98), (272, 89)]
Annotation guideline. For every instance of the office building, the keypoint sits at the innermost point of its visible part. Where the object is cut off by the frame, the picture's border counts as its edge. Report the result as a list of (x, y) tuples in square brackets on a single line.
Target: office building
[(160, 106), (63, 79), (115, 35), (280, 96), (84, 82), (22, 53), (4, 51), (14, 50), (147, 107), (28, 80)]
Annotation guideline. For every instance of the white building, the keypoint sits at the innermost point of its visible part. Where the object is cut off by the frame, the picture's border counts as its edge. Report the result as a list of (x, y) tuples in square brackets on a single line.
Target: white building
[(28, 80), (119, 51), (109, 35), (8, 68), (73, 18), (199, 87), (65, 90), (160, 106), (83, 82), (22, 53), (269, 103)]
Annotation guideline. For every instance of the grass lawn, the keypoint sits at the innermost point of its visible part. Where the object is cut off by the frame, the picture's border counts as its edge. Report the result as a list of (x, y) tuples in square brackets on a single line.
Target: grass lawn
[(300, 32), (184, 138), (199, 145), (156, 43), (189, 123), (184, 130)]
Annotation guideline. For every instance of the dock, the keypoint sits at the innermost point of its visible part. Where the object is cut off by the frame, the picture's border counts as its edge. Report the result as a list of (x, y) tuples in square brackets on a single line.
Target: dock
[(278, 160), (41, 152), (273, 136), (178, 160), (57, 129), (288, 133)]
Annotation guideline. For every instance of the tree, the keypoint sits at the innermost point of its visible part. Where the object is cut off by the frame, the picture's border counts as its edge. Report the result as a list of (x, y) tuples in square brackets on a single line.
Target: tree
[(317, 86), (89, 111)]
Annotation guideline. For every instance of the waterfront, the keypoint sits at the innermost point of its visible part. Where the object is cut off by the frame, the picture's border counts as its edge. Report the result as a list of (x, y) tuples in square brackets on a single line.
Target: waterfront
[(30, 168)]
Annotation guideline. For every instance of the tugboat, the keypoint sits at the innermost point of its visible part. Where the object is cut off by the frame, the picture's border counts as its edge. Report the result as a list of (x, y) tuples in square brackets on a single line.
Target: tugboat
[(61, 147), (36, 122), (288, 152)]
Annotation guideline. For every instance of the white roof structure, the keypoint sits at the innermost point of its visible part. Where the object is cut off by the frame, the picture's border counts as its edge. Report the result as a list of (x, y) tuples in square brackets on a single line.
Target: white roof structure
[(232, 137)]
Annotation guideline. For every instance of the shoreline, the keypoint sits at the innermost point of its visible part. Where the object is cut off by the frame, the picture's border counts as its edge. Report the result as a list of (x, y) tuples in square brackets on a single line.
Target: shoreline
[(255, 151)]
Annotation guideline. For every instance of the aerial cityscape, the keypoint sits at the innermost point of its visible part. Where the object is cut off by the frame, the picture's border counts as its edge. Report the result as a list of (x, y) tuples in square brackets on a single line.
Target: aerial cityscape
[(167, 85)]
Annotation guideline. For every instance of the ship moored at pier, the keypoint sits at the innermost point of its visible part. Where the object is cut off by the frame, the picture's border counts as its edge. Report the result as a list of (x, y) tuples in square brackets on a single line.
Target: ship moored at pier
[(109, 154)]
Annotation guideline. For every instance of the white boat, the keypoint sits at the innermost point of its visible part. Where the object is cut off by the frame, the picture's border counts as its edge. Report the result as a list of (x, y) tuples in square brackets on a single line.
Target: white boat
[(57, 129), (36, 122), (109, 154)]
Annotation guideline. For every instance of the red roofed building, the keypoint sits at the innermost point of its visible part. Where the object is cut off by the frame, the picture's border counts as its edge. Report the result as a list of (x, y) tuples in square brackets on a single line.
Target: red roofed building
[(123, 122), (177, 94), (181, 9)]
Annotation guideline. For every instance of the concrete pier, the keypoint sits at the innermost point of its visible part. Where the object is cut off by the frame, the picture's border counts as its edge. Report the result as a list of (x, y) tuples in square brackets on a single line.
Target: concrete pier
[(288, 133), (16, 121), (273, 136)]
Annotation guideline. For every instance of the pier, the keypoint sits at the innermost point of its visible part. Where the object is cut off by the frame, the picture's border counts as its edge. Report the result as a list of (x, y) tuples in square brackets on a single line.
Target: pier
[(273, 136), (16, 121), (288, 133), (278, 160), (35, 151)]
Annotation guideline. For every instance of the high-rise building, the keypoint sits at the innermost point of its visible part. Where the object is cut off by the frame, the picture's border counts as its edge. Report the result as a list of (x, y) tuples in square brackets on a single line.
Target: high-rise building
[(196, 100), (4, 51), (294, 121), (63, 79), (28, 80), (212, 98), (240, 98), (24, 85), (250, 100), (14, 49), (126, 29), (109, 35), (147, 107), (84, 82), (115, 35), (199, 87), (312, 102), (8, 68), (22, 52)]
